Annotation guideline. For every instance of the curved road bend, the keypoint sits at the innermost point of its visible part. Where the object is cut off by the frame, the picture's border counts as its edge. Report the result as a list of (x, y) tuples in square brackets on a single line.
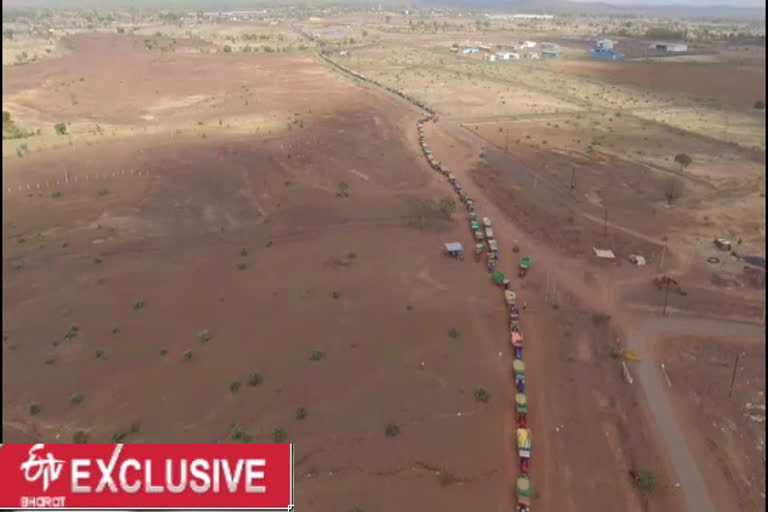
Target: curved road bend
[(653, 383)]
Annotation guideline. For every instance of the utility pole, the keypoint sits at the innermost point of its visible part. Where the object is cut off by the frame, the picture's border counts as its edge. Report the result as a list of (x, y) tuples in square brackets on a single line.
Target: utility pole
[(733, 375), (506, 144), (573, 179), (663, 251)]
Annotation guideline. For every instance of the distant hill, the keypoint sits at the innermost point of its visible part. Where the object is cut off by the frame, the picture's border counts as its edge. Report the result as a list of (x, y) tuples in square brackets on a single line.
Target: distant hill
[(685, 8)]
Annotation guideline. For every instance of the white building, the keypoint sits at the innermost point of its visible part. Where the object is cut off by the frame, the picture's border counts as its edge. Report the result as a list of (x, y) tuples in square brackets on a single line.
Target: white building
[(528, 44), (468, 51), (490, 57), (533, 16), (670, 47), (605, 44)]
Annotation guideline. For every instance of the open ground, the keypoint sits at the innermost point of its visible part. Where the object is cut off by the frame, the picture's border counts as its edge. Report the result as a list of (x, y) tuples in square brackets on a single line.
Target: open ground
[(217, 242)]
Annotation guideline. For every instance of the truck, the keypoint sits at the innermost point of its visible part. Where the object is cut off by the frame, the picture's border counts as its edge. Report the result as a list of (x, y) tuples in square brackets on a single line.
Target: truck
[(514, 313), (487, 222), (489, 232), (521, 404), (493, 247), (525, 263), (518, 367), (516, 340), (523, 494), (524, 443)]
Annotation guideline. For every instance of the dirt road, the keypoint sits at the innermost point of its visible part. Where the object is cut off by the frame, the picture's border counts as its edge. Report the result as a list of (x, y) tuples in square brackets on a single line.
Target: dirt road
[(654, 384)]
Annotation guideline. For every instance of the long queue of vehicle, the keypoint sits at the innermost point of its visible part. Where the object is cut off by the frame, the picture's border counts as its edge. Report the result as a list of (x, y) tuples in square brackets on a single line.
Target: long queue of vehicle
[(485, 243)]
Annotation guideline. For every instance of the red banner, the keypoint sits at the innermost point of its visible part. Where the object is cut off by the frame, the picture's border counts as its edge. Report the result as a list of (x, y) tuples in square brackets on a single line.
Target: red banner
[(140, 476)]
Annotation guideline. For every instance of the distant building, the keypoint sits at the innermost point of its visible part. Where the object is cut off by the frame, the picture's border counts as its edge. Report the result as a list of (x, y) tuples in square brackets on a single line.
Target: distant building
[(528, 44), (490, 57), (602, 53), (469, 51), (533, 16), (605, 44), (670, 47)]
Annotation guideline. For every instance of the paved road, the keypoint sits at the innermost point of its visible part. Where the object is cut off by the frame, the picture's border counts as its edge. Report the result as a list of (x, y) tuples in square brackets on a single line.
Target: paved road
[(655, 386)]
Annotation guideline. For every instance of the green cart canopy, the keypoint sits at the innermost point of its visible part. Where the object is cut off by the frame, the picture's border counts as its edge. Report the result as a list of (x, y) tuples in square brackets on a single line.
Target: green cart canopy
[(498, 278), (525, 262)]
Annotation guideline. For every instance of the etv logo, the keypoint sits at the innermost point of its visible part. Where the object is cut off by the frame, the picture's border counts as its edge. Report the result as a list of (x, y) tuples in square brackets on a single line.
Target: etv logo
[(47, 468)]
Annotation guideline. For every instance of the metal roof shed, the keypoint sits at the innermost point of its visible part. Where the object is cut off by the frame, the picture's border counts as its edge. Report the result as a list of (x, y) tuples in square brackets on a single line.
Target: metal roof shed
[(454, 247)]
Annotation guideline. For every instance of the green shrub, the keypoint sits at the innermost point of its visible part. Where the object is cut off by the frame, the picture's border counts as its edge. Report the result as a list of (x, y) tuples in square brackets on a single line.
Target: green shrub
[(482, 395), (392, 430), (77, 398), (255, 379), (235, 386), (60, 128), (301, 413), (279, 435)]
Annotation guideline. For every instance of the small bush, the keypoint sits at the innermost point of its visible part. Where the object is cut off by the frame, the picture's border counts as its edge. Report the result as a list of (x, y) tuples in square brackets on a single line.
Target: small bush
[(255, 379), (335, 294), (351, 255), (242, 266), (392, 430), (163, 352), (50, 361), (481, 395), (204, 337), (71, 332), (187, 355), (645, 480), (235, 386), (100, 354), (240, 436), (56, 194), (115, 330), (138, 305), (135, 427), (759, 105), (316, 355), (600, 318), (98, 261), (301, 413), (118, 437), (453, 333), (80, 437), (279, 435), (77, 398), (243, 252), (60, 128), (34, 409)]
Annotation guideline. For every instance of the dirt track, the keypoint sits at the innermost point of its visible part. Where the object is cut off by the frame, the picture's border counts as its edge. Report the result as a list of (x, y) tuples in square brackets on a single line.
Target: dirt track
[(640, 336)]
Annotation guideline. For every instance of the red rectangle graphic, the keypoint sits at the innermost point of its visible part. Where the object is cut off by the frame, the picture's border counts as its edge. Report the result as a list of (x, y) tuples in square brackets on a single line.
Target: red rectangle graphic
[(209, 476)]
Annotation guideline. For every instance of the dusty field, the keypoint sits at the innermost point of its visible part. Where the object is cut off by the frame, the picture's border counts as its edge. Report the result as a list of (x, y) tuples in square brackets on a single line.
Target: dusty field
[(186, 177), (738, 83), (727, 433), (216, 250)]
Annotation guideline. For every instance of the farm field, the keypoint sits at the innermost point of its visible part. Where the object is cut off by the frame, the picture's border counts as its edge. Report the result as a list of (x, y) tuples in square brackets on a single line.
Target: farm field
[(224, 238)]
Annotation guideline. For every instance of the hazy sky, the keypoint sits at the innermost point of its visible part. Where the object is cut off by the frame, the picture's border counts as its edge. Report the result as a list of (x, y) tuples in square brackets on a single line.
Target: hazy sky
[(725, 3)]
